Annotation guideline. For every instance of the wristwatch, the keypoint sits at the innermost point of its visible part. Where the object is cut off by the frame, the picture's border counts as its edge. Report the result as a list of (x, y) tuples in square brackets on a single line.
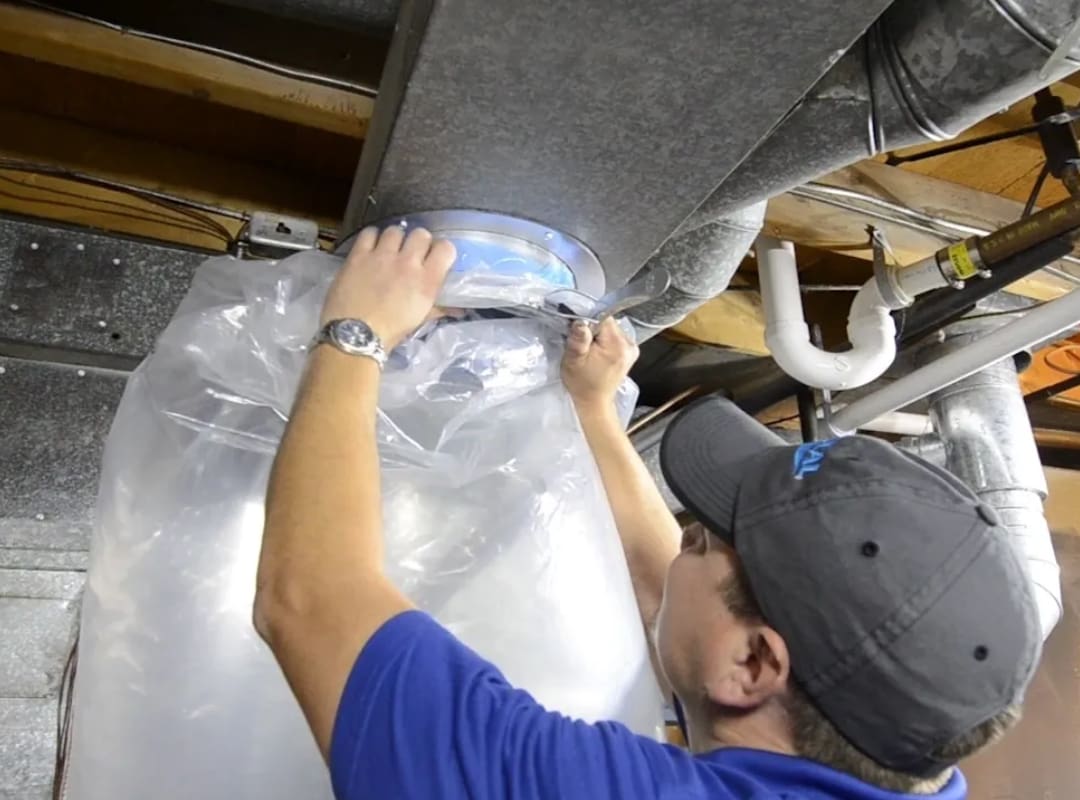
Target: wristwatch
[(353, 337)]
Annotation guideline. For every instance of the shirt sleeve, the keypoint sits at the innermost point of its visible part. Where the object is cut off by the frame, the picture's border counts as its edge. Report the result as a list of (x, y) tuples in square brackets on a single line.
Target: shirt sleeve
[(424, 716)]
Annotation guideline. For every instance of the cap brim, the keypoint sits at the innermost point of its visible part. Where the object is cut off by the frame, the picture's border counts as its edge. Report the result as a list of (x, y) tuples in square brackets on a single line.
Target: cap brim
[(701, 456)]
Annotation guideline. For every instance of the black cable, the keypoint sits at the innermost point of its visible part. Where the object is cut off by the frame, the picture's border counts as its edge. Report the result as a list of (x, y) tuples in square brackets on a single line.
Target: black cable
[(64, 702), (808, 421), (773, 423), (179, 205), (156, 220), (1053, 390), (183, 220), (1036, 190)]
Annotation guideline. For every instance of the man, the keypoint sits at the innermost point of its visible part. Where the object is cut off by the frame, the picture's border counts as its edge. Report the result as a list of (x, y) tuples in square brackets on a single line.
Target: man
[(847, 622)]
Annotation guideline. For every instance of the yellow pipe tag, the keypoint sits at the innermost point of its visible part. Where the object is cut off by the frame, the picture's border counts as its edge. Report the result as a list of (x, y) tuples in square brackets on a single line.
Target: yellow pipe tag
[(961, 260)]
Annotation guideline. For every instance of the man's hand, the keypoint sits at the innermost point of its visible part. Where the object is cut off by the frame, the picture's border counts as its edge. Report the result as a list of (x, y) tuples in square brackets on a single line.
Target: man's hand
[(390, 281), (594, 367)]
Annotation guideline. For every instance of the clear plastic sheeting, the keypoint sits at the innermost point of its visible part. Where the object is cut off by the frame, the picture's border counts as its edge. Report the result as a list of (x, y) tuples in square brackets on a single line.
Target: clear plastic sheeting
[(495, 519)]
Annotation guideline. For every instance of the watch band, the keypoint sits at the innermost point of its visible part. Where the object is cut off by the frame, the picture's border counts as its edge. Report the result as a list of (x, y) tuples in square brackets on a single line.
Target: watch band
[(353, 337)]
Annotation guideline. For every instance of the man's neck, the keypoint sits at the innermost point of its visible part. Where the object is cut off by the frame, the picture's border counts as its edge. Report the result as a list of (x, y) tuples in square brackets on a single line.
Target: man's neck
[(759, 730)]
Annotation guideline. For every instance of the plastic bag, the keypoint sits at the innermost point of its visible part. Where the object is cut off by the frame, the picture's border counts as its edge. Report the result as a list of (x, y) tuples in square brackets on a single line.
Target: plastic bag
[(176, 696)]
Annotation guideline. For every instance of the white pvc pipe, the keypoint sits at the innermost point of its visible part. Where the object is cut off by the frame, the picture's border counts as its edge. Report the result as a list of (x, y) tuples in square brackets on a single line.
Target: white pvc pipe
[(1035, 326), (902, 423), (870, 327)]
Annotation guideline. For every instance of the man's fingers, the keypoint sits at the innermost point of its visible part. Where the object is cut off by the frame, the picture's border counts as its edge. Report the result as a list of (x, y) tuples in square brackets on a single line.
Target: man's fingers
[(417, 244), (365, 241), (441, 255), (610, 335), (579, 340), (390, 239)]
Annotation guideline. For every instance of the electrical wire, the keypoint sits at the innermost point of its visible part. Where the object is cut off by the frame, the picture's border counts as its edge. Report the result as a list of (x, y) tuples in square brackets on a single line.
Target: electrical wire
[(774, 422), (190, 208), (140, 217), (667, 405), (240, 58), (63, 721), (1036, 190), (183, 222), (171, 201), (1011, 312), (18, 165)]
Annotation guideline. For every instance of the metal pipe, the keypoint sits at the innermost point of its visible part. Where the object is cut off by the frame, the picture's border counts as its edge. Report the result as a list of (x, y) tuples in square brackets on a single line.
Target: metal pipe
[(946, 229), (939, 308), (1036, 325), (927, 446), (701, 264), (647, 443), (925, 71), (990, 446)]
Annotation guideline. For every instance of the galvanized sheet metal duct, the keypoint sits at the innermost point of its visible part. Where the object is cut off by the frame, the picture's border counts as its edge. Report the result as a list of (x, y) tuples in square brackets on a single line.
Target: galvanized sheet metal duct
[(702, 263), (610, 124), (989, 444), (925, 71)]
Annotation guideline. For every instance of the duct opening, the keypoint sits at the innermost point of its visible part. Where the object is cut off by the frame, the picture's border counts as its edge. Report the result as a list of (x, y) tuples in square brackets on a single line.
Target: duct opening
[(509, 247)]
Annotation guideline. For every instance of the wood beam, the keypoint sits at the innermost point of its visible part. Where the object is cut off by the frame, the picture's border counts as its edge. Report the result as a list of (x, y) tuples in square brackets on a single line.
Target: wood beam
[(824, 226), (139, 112), (92, 48), (734, 319), (153, 165), (1063, 500)]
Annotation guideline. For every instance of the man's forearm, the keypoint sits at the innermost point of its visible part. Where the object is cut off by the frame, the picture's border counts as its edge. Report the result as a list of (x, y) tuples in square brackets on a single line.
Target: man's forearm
[(323, 506), (321, 593), (649, 533)]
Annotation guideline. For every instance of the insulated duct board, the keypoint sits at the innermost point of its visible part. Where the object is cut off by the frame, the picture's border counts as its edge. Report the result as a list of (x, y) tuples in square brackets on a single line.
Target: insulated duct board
[(608, 122)]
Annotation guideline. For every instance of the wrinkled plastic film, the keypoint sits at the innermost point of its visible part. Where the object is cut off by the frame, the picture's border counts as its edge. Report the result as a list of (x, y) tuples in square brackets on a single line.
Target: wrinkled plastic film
[(494, 514)]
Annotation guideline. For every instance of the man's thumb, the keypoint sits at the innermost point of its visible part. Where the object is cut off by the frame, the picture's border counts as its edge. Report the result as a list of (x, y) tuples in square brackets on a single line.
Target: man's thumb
[(579, 340)]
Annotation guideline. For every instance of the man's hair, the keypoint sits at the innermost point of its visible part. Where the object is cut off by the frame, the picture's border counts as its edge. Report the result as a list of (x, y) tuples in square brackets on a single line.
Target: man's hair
[(815, 737)]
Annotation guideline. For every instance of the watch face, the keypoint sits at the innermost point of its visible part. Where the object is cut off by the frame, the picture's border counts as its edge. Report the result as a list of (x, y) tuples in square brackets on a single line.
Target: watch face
[(353, 333)]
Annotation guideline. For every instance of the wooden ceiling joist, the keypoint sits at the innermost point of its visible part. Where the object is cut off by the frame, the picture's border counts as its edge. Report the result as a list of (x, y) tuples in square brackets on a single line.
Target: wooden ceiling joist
[(843, 230), (99, 50)]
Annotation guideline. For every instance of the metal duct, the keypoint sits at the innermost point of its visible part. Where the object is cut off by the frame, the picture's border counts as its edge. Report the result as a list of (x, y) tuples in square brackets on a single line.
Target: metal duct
[(607, 122), (701, 263), (925, 71), (989, 445)]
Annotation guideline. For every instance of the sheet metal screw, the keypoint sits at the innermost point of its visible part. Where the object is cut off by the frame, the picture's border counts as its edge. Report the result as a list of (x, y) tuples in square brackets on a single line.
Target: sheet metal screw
[(80, 246), (39, 517), (14, 306), (116, 262), (102, 323), (3, 370), (81, 373), (34, 245)]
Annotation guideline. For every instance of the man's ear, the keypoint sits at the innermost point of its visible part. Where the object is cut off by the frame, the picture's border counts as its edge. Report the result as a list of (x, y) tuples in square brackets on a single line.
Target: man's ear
[(753, 668)]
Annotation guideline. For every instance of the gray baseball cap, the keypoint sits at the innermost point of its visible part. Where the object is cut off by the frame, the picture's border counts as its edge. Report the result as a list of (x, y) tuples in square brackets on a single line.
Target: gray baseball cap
[(908, 616)]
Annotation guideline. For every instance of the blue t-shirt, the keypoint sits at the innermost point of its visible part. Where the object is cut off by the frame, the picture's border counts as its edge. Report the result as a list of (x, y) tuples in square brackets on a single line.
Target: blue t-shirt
[(423, 716)]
